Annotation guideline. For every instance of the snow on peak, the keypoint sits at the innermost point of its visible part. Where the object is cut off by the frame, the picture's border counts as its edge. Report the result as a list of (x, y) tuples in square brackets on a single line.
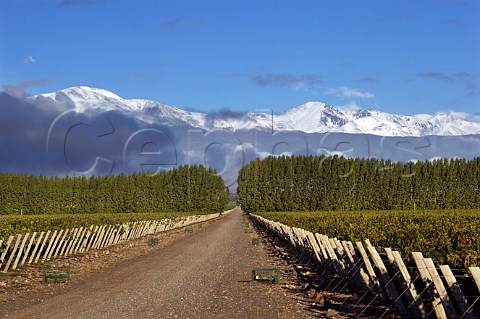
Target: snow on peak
[(88, 93), (311, 117)]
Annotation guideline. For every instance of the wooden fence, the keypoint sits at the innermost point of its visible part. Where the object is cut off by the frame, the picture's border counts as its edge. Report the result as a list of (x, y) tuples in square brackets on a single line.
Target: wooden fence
[(382, 271), (31, 248)]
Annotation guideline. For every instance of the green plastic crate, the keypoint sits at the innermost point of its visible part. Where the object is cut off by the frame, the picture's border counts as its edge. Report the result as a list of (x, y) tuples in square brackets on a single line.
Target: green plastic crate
[(271, 275), (153, 242), (56, 274)]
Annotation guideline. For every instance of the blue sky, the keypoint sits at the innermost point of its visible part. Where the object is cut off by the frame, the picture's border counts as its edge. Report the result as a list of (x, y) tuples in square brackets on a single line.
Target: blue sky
[(403, 57)]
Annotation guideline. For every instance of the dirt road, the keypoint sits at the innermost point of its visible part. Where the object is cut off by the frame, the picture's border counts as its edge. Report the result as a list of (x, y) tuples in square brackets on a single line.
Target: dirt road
[(205, 274)]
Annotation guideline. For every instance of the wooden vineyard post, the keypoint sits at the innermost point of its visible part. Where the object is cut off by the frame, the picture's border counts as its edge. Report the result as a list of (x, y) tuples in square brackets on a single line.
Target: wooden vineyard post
[(368, 265), (427, 279), (139, 229), (389, 286), (314, 245), (111, 240), (85, 241), (111, 230), (333, 257), (303, 238), (456, 291), (81, 236), (17, 242), (44, 241), (39, 241), (71, 242), (146, 228), (54, 245), (153, 226), (7, 247), (348, 266), (61, 246), (50, 243), (114, 238), (111, 236), (414, 302), (126, 231), (356, 266), (118, 235), (131, 231), (104, 238), (25, 256), (99, 237), (288, 230), (475, 271), (156, 223), (322, 246), (121, 233), (342, 254), (365, 279), (297, 237), (20, 251), (92, 238), (413, 292), (437, 281), (305, 241)]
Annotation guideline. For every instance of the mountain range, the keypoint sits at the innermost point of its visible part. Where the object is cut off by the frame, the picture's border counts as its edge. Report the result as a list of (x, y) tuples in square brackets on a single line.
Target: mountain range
[(311, 117), (83, 131)]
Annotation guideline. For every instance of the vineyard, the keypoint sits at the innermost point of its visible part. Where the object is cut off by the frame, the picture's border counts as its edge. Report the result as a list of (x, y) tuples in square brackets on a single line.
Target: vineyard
[(450, 237), (418, 288)]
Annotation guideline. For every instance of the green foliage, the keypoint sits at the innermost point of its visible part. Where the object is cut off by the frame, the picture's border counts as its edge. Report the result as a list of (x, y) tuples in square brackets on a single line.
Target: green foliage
[(445, 236), (182, 189), (335, 183)]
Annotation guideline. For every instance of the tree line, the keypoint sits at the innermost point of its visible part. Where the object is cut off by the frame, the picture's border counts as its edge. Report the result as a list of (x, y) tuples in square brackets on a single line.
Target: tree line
[(182, 189), (308, 183)]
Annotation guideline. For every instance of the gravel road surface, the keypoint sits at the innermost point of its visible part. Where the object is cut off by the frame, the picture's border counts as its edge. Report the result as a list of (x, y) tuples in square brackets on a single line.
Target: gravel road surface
[(203, 274)]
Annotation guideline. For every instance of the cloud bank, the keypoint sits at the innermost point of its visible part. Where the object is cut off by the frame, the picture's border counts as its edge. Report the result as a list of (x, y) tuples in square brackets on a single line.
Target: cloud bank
[(287, 80), (467, 80)]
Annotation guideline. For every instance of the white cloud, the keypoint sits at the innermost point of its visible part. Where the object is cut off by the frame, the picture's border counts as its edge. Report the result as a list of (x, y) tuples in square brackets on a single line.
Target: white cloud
[(351, 106), (347, 92), (29, 60), (354, 93)]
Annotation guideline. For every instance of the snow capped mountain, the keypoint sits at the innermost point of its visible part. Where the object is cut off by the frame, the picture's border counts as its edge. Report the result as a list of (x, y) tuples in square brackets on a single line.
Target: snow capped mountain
[(84, 98), (311, 117)]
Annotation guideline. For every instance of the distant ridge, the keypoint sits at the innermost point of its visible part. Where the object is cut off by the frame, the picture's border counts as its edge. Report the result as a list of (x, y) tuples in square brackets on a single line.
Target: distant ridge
[(311, 117)]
